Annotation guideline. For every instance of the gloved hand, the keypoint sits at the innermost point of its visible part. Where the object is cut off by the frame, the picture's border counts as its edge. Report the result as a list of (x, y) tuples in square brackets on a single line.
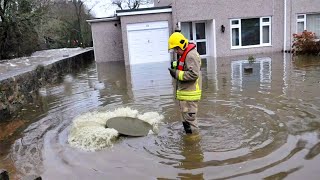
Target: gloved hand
[(172, 72), (174, 64)]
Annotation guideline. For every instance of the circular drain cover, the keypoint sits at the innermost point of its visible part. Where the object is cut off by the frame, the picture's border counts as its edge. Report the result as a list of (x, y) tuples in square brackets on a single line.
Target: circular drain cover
[(129, 126)]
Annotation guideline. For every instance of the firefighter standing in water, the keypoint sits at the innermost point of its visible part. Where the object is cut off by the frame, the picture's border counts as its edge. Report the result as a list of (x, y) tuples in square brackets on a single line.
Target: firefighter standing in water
[(188, 75)]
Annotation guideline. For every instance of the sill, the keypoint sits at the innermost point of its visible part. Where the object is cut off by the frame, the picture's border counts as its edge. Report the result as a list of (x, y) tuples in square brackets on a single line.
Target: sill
[(247, 47)]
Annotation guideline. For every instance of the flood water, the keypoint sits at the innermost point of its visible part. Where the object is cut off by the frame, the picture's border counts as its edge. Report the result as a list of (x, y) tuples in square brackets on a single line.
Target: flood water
[(264, 124)]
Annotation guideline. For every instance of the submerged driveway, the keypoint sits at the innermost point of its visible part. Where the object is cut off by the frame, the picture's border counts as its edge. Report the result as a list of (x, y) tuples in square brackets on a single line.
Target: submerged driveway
[(259, 125)]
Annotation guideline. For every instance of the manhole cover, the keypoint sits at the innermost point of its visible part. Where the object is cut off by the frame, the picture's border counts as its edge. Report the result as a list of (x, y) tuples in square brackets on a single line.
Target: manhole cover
[(129, 126)]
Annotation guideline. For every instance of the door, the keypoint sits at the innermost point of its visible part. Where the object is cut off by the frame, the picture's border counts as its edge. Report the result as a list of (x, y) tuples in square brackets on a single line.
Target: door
[(148, 42)]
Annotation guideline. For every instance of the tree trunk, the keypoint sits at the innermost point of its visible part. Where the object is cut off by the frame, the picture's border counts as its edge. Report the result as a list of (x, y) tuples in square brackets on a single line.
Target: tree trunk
[(3, 39)]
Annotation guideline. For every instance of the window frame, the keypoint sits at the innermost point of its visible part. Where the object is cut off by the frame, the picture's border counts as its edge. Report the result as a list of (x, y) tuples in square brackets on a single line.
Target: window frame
[(262, 24), (304, 20), (299, 20), (194, 35)]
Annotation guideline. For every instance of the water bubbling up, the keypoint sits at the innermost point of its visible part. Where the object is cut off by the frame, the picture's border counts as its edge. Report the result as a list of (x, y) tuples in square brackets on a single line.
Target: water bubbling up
[(88, 130)]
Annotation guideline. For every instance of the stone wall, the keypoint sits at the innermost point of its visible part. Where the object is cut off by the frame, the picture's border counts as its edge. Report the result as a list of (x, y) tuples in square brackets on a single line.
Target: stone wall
[(23, 88)]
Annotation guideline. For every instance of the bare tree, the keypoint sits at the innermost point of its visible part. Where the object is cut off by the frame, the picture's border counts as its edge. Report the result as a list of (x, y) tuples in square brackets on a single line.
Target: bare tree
[(30, 25), (130, 4), (69, 22), (18, 19)]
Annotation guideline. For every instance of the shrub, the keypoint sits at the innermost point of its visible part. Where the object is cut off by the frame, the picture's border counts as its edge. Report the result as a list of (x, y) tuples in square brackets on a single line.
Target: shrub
[(305, 43), (251, 59)]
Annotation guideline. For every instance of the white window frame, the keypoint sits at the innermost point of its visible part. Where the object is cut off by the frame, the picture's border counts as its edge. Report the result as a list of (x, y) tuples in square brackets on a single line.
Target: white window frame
[(262, 24), (194, 36), (238, 26), (235, 26), (299, 20)]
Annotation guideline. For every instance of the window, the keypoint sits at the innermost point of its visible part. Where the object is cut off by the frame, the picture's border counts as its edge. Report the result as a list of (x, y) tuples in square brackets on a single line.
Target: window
[(186, 29), (310, 22), (196, 32), (301, 23), (252, 32)]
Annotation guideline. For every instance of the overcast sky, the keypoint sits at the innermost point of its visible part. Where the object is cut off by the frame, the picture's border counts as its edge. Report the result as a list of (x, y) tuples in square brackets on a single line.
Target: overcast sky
[(103, 8)]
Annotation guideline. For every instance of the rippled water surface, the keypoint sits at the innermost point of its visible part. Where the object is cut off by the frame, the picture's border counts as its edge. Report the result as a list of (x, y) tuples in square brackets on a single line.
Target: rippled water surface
[(263, 124)]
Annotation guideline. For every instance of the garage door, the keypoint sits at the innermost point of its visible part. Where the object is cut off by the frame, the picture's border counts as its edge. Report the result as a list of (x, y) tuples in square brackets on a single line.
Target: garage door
[(148, 42)]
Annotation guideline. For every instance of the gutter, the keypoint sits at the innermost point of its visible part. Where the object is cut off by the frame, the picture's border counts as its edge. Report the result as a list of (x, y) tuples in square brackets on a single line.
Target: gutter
[(103, 19), (154, 10)]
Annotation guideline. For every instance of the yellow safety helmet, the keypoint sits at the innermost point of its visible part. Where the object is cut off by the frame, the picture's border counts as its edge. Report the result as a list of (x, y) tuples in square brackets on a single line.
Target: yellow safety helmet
[(177, 40)]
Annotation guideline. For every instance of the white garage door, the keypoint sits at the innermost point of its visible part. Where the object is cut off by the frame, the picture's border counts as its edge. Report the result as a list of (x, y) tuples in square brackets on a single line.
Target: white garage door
[(148, 42)]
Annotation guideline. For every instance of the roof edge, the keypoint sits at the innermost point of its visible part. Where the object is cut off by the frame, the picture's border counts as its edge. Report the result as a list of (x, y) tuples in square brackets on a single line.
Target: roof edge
[(103, 19), (153, 10)]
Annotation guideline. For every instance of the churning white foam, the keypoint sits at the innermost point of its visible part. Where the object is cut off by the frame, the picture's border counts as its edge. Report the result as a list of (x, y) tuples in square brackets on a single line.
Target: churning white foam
[(88, 130)]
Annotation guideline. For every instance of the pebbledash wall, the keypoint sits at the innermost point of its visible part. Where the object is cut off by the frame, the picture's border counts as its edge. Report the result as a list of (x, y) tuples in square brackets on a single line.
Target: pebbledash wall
[(294, 8), (110, 35), (107, 39), (221, 12), (282, 13), (283, 16)]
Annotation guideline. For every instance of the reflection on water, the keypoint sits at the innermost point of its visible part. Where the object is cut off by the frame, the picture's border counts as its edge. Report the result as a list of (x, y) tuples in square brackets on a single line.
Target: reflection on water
[(263, 124), (191, 150), (259, 78)]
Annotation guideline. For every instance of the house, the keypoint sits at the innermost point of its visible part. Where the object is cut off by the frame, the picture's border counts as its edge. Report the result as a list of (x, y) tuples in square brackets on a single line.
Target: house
[(219, 28)]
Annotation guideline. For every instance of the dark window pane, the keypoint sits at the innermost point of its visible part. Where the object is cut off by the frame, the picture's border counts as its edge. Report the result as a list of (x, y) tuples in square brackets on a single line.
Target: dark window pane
[(200, 31), (235, 36), (250, 31), (235, 22), (265, 20), (201, 47)]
